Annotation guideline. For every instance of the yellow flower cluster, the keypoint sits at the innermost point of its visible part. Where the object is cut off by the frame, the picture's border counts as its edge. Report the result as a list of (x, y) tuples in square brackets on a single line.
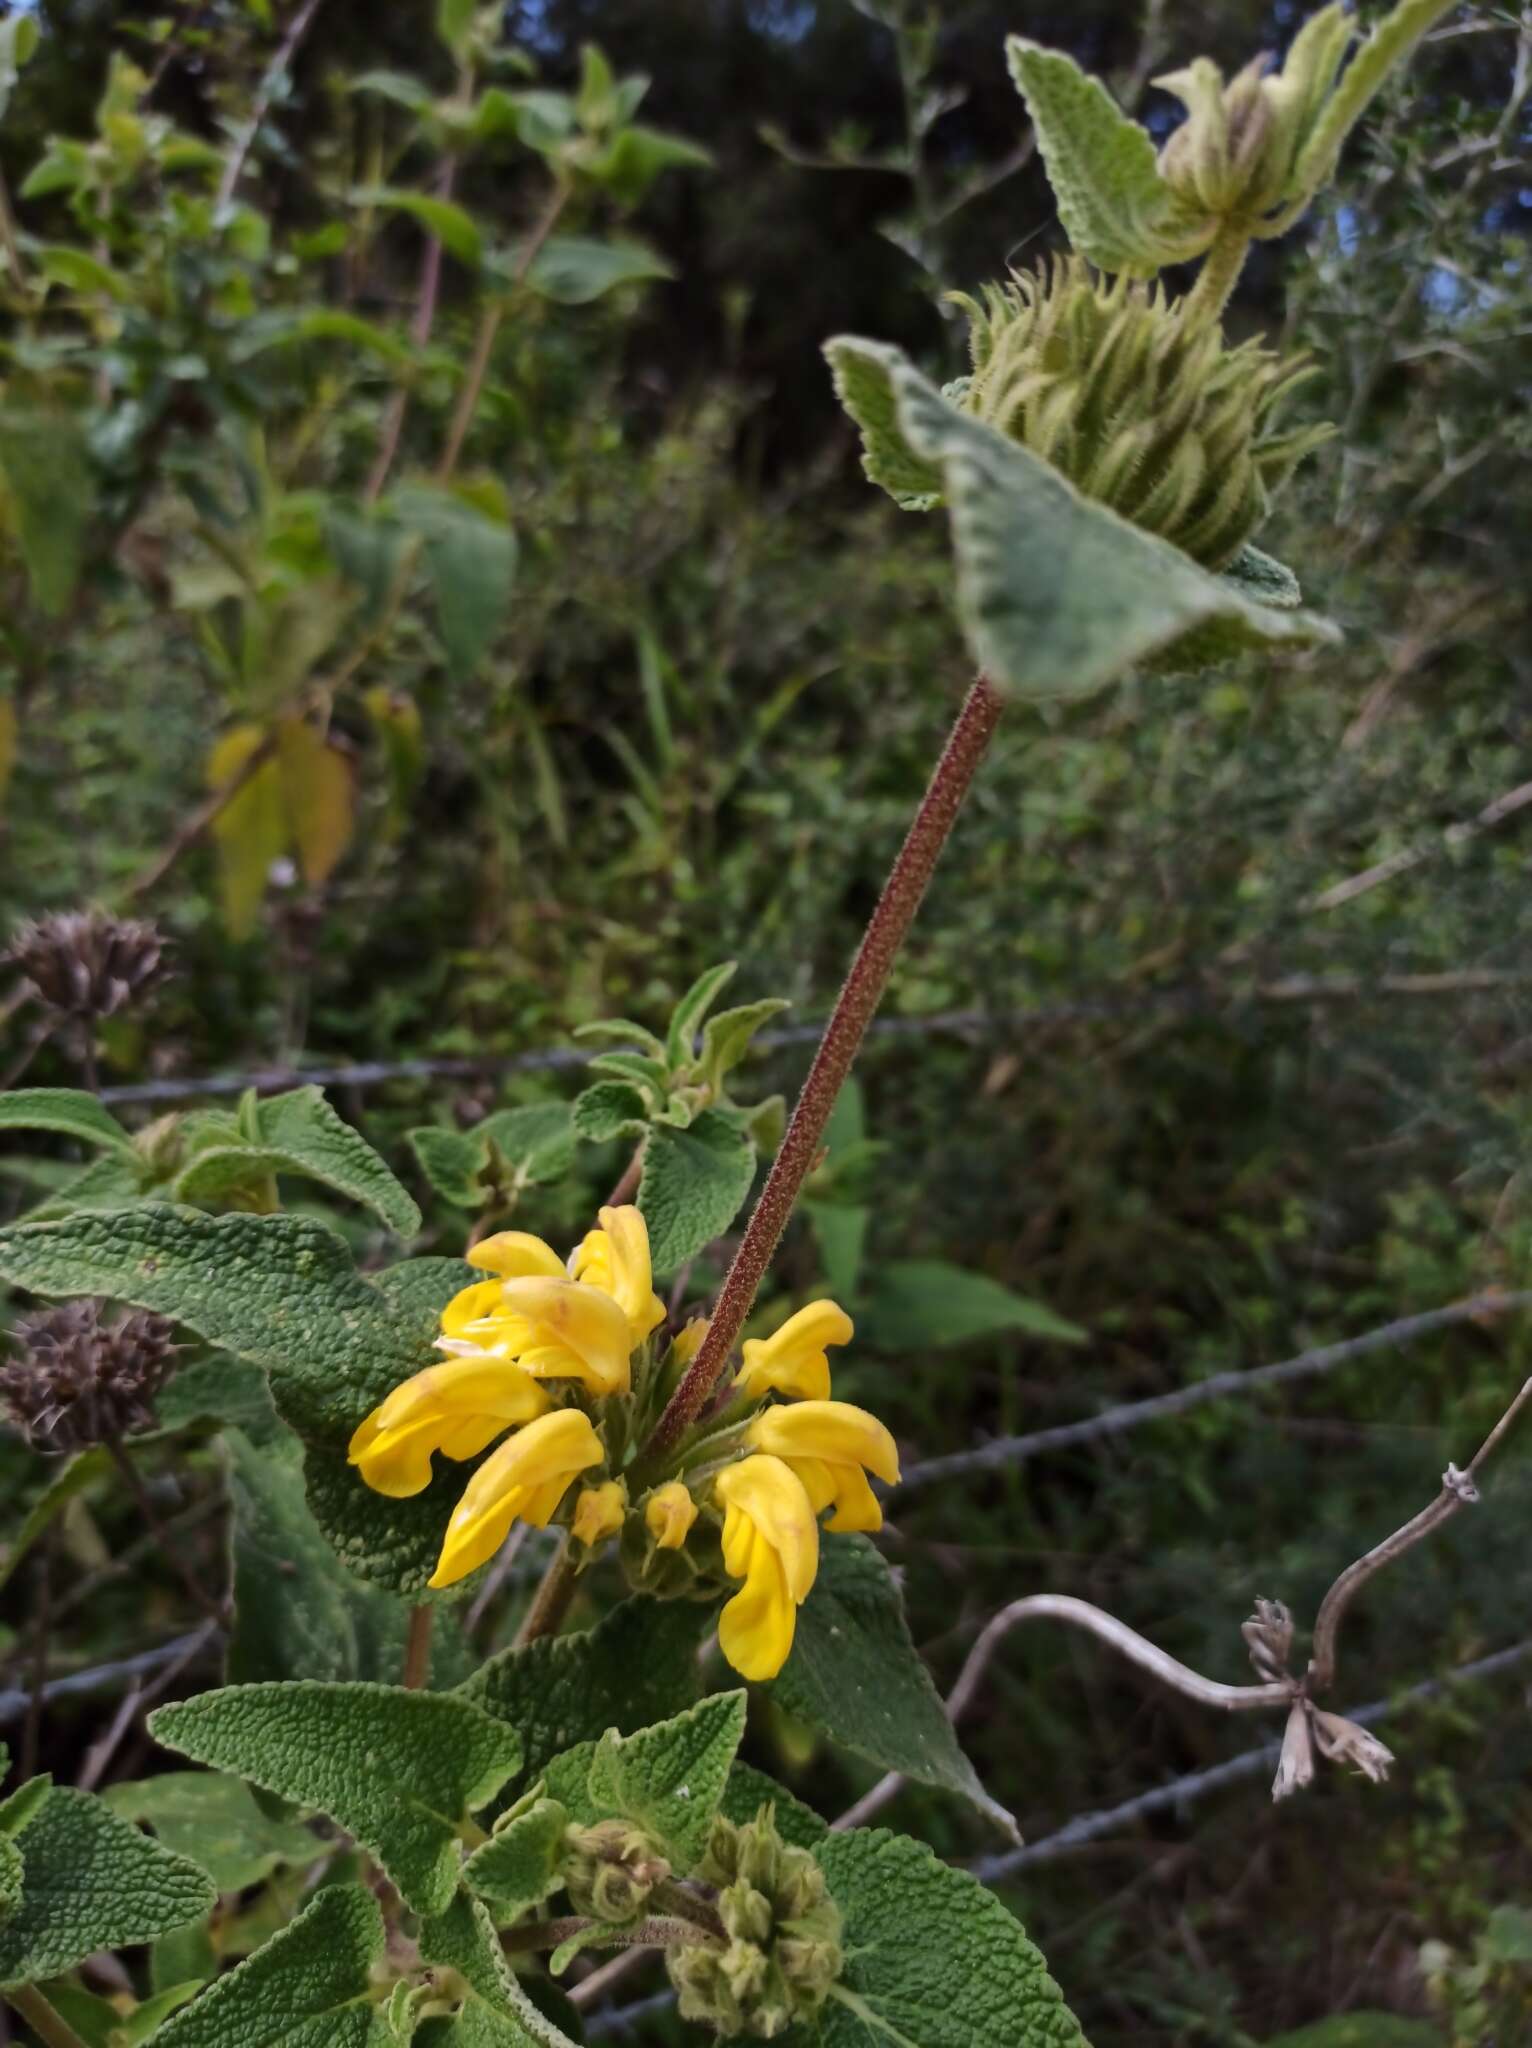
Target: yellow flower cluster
[(546, 1351)]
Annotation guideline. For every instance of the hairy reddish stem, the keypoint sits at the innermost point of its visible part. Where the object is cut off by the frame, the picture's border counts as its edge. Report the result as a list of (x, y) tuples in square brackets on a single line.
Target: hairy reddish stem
[(853, 1012), (417, 1647)]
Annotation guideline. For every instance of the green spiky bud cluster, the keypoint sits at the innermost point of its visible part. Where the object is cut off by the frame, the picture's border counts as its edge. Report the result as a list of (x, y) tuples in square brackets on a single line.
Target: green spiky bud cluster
[(611, 1869), (784, 1936), (1143, 407)]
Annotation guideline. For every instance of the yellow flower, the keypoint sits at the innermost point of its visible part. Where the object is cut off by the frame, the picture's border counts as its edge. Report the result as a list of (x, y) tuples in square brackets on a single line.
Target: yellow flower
[(528, 1476), (687, 1342), (793, 1362), (615, 1258), (599, 1511), (668, 1514), (828, 1444), (458, 1407), (554, 1326), (771, 1541)]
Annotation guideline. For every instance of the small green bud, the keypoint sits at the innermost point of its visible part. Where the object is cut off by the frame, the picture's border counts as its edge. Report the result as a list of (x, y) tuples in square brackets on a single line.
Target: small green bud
[(611, 1869), (810, 1966), (745, 1912), (160, 1147), (800, 1886)]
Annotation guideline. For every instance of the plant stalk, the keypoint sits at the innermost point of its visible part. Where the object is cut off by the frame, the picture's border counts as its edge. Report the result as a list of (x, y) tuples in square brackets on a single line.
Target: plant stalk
[(550, 1603), (48, 2025), (1220, 273), (853, 1012), (417, 1647)]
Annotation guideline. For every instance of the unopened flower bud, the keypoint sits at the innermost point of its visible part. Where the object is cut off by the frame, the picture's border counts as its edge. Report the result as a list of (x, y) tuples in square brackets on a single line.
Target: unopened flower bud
[(599, 1512), (745, 1912), (78, 1380), (668, 1514), (810, 1965), (1268, 1636), (611, 1869), (160, 1146)]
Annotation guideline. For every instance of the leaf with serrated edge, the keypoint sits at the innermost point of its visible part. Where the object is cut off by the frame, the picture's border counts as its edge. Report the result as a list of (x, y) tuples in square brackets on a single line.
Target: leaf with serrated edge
[(463, 1939), (308, 1987), (68, 1111), (693, 1185), (519, 1866), (610, 1109), (668, 1779), (637, 1665), (399, 1771), (92, 1881), (300, 1134), (686, 1018), (931, 1957), (1116, 209), (855, 1673), (213, 1819), (1057, 594)]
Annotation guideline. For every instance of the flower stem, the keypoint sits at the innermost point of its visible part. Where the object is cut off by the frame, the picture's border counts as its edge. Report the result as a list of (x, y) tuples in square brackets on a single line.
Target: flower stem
[(133, 1479), (47, 2024), (1220, 273), (417, 1647), (550, 1603), (853, 1012)]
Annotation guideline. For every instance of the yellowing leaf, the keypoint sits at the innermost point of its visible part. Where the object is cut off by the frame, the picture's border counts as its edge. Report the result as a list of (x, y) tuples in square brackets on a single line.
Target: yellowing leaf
[(251, 830), (317, 790)]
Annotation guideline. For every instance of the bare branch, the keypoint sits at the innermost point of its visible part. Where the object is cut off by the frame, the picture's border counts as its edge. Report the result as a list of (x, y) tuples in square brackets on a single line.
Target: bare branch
[(266, 92)]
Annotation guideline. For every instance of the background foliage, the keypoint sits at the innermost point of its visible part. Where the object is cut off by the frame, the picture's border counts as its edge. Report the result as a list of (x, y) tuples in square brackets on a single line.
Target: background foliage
[(1212, 1095)]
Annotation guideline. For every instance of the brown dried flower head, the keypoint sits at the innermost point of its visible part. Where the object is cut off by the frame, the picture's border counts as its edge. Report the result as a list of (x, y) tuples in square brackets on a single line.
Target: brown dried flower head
[(86, 963), (76, 1379)]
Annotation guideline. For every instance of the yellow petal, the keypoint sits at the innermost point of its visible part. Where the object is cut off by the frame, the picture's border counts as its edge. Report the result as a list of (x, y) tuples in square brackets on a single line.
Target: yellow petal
[(458, 1407), (836, 1431), (668, 1515), (514, 1254), (397, 1462), (575, 1332), (469, 1305), (755, 1628), (771, 1541), (793, 1362), (527, 1476), (771, 1497), (688, 1342), (600, 1511), (615, 1258)]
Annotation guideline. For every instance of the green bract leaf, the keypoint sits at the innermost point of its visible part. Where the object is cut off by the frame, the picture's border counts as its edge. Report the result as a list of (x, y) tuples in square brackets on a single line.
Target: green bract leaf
[(637, 1665), (918, 1302), (69, 1111), (693, 1184), (300, 1134), (1384, 51), (931, 1957), (399, 1771), (309, 1987), (668, 1779), (452, 227), (610, 1109), (726, 1037), (497, 2012), (686, 1018), (1057, 594), (748, 1790), (48, 484), (865, 389), (519, 1866), (471, 561), (1116, 209), (213, 1820), (91, 1881), (575, 269), (855, 1673)]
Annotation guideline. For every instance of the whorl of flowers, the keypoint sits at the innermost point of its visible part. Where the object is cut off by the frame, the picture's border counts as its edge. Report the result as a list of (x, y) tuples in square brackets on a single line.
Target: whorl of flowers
[(77, 1379), (86, 963)]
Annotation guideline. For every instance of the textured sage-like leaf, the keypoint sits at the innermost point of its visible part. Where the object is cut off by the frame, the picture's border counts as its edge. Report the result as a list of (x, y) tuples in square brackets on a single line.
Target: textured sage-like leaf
[(11, 1875), (865, 389), (931, 1957), (518, 1867), (1058, 595), (668, 1779), (1384, 51), (524, 1147), (610, 1109), (686, 1018), (91, 1881), (855, 1673), (300, 1134), (637, 1665), (1116, 208), (308, 1987), (399, 1771), (213, 1820), (748, 1790), (497, 2013), (69, 1111), (694, 1182)]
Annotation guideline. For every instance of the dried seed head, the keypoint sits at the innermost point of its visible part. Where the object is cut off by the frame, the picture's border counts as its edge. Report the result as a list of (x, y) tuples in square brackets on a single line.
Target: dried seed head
[(1346, 1742), (77, 1380), (1295, 1767), (1141, 407), (84, 963), (1268, 1637)]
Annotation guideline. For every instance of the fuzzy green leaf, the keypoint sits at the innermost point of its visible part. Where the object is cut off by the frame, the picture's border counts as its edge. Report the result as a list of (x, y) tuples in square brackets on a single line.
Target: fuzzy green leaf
[(454, 228), (11, 1877), (519, 1866), (399, 1771), (668, 1779), (575, 269), (748, 1790), (919, 1302), (69, 1111), (855, 1673), (621, 1031), (214, 1820), (1116, 209), (496, 2013), (470, 559), (230, 1393), (453, 1162), (92, 1881), (865, 389), (686, 1018), (694, 1183), (1057, 594), (931, 1957), (610, 1109), (300, 1134), (650, 1077), (111, 1181), (637, 1665), (726, 1038), (1385, 50), (308, 1987)]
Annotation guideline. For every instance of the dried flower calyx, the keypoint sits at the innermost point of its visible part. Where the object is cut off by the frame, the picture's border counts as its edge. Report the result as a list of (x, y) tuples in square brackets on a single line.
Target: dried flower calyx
[(85, 963), (76, 1379), (784, 1947), (1143, 407)]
